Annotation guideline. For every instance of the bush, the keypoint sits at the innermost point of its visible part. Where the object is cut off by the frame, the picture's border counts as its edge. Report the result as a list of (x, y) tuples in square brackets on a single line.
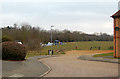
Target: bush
[(13, 51), (6, 38)]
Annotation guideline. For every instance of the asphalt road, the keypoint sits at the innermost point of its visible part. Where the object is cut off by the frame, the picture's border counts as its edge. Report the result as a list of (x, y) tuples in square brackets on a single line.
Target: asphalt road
[(28, 68), (69, 66)]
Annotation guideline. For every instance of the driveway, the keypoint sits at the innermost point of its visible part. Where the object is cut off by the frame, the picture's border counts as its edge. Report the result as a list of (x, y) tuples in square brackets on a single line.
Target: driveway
[(69, 66)]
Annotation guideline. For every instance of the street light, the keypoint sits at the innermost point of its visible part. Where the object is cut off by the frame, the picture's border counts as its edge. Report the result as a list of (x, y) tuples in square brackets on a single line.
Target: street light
[(51, 40)]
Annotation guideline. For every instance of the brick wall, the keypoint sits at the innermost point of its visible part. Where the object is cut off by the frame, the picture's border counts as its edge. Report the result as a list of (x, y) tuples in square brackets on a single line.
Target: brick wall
[(116, 37)]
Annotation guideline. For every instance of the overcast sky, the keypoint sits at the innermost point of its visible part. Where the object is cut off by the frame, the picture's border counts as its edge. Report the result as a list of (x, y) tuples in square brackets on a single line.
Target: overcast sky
[(89, 17)]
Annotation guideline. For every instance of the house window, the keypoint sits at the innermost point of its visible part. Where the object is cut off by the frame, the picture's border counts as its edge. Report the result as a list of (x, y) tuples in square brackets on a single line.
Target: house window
[(117, 28)]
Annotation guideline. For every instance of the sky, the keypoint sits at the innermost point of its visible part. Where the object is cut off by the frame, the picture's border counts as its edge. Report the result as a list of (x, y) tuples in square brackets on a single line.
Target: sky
[(88, 16)]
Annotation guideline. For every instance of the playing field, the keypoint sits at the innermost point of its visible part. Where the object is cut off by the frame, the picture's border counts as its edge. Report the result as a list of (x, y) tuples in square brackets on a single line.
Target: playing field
[(104, 45), (85, 45)]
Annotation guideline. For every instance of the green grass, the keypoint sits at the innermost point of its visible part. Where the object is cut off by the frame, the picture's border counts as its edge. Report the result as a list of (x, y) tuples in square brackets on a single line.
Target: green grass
[(72, 46), (103, 55), (106, 55), (33, 53), (86, 45)]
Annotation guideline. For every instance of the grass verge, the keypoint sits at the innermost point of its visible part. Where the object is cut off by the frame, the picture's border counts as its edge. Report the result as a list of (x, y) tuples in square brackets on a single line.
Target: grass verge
[(103, 55), (106, 55)]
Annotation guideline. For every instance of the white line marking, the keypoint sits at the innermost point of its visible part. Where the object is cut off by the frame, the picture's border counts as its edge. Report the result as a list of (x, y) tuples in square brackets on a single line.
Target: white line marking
[(17, 75), (46, 71)]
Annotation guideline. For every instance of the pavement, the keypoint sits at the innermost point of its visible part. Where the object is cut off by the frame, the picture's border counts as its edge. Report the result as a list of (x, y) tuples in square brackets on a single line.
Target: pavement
[(101, 59), (29, 68), (69, 65)]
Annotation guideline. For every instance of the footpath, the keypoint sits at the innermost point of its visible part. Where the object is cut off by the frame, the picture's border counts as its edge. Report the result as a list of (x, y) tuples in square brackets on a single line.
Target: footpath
[(30, 68)]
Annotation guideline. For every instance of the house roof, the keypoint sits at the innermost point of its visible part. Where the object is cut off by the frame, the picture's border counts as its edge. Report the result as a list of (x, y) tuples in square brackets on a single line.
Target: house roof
[(116, 15)]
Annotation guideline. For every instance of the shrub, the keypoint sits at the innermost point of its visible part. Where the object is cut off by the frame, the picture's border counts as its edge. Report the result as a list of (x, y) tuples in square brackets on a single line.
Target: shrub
[(6, 38), (13, 51)]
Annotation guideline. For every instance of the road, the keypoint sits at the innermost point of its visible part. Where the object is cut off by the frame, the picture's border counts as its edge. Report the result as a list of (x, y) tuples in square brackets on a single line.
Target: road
[(69, 66)]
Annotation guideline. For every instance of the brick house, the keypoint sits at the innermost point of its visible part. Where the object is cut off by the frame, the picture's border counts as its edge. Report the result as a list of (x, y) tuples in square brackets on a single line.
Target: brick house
[(116, 18)]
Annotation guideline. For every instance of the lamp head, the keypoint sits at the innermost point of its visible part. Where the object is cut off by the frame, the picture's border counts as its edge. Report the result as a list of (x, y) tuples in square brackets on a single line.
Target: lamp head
[(52, 26)]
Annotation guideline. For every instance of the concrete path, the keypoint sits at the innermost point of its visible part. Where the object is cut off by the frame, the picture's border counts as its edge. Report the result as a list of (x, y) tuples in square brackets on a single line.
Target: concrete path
[(69, 66), (28, 68)]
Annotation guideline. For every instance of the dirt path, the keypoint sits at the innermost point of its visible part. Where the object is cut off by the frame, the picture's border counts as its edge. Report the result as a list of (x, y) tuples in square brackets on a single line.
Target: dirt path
[(69, 66)]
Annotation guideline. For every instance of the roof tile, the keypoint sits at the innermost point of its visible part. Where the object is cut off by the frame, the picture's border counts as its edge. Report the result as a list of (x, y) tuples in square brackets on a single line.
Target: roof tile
[(116, 15)]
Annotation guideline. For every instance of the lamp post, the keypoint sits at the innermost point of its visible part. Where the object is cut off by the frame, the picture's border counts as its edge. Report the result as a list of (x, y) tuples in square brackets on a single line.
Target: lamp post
[(51, 40), (119, 5)]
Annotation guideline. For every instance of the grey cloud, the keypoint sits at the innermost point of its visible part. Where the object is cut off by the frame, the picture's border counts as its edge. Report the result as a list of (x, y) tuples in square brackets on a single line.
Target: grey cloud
[(72, 16)]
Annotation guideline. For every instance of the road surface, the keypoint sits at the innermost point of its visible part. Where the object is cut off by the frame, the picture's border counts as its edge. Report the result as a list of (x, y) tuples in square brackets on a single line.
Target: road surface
[(69, 66)]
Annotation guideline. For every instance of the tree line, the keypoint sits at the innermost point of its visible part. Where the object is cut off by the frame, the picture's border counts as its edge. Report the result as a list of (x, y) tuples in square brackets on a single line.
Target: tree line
[(33, 36)]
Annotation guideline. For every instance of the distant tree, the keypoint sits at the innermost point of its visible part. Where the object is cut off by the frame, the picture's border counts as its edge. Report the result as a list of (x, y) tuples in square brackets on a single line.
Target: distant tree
[(33, 36)]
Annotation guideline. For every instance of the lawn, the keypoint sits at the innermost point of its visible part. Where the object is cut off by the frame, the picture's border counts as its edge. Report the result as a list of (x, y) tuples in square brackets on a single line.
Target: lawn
[(84, 45)]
